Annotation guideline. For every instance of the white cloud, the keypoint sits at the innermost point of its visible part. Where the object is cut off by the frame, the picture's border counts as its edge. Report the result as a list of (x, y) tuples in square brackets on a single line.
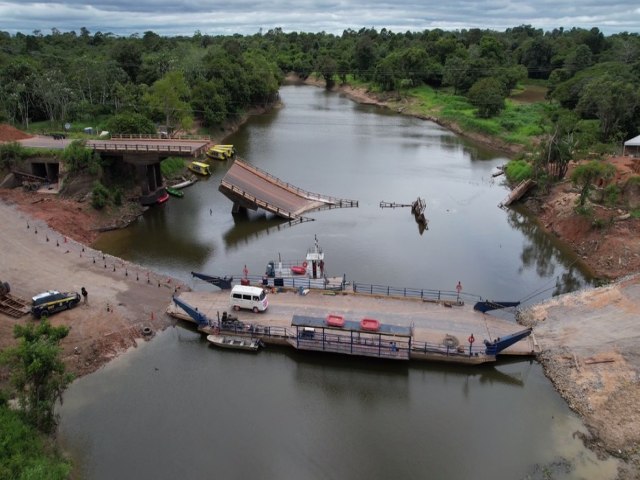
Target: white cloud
[(183, 17)]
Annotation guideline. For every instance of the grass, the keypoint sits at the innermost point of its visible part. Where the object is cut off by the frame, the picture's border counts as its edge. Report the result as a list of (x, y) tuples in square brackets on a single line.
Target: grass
[(516, 124), (75, 132), (172, 166)]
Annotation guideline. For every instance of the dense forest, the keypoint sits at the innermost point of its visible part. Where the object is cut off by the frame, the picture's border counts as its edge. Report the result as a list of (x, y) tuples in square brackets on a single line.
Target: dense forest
[(136, 83)]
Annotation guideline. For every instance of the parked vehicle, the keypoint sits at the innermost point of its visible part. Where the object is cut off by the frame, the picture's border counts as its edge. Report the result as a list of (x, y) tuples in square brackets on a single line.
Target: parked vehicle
[(251, 298), (50, 302)]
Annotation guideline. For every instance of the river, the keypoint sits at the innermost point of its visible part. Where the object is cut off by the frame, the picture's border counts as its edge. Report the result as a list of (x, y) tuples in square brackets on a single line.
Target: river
[(177, 408)]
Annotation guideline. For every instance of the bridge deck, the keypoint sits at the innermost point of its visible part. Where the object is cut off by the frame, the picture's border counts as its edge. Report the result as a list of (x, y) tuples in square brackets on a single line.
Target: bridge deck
[(255, 188), (182, 147)]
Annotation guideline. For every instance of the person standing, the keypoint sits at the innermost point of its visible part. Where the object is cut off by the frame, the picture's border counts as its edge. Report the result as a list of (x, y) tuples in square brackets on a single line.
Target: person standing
[(85, 295)]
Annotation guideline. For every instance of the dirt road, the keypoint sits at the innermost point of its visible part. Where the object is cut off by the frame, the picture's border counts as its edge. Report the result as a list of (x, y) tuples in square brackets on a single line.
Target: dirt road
[(122, 300), (590, 352)]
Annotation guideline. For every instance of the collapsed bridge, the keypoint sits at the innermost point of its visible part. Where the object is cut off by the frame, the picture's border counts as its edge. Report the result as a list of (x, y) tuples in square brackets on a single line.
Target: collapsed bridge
[(249, 187)]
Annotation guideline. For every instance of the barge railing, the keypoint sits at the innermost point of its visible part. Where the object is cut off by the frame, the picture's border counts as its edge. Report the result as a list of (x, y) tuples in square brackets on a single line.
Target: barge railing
[(423, 293)]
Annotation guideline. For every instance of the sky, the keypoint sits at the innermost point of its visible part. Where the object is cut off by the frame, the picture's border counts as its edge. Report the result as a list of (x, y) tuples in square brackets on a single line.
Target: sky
[(247, 17)]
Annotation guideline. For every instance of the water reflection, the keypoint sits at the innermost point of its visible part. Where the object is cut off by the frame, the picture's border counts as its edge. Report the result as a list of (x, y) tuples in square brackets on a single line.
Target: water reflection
[(545, 253), (248, 227)]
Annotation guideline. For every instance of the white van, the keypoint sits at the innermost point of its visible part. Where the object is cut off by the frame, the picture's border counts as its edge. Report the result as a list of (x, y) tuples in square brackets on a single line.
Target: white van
[(252, 298)]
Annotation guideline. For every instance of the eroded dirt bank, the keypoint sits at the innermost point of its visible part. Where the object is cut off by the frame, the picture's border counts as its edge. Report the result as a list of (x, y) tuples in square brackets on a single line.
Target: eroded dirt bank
[(590, 352)]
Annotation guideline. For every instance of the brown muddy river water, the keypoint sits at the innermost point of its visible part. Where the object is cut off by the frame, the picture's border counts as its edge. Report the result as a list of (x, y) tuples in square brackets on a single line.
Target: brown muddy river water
[(176, 408)]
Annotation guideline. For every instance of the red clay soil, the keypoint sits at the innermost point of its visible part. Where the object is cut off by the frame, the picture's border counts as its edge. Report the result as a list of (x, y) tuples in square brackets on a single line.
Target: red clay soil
[(10, 134), (611, 250)]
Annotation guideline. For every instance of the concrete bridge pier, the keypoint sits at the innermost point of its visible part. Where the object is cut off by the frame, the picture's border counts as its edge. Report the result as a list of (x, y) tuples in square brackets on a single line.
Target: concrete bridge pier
[(238, 208), (148, 175)]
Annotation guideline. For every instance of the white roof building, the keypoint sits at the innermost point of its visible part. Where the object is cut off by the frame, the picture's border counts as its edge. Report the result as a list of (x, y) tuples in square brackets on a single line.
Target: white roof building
[(632, 147)]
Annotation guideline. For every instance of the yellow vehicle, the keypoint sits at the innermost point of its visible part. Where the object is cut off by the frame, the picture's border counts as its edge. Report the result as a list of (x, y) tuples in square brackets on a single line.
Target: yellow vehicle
[(215, 154), (200, 168), (230, 148)]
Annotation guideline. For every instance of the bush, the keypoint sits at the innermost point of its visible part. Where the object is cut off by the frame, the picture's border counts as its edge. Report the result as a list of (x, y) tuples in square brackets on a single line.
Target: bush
[(99, 196), (171, 166), (518, 170), (22, 451), (611, 194), (11, 153), (77, 157), (130, 123), (117, 197)]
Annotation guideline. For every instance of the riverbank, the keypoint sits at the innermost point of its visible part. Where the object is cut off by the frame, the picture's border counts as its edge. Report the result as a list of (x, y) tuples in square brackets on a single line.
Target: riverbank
[(407, 106), (589, 340), (124, 299)]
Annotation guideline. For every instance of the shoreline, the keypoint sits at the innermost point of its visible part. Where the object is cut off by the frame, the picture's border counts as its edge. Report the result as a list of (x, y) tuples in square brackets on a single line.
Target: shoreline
[(104, 333), (360, 95), (123, 300)]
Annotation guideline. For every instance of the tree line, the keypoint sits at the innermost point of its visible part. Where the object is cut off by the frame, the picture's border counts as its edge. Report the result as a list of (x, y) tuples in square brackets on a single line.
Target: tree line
[(147, 78)]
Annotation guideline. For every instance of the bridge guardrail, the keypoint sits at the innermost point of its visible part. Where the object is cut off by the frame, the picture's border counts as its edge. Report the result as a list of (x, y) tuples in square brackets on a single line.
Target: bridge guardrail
[(114, 147), (158, 136), (299, 191)]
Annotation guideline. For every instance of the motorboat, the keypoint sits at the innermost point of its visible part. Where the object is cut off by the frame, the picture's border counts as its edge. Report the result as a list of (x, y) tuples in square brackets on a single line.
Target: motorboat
[(236, 343)]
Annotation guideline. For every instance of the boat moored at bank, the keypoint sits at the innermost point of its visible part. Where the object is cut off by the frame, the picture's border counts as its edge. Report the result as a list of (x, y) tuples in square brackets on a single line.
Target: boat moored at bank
[(200, 168), (235, 343)]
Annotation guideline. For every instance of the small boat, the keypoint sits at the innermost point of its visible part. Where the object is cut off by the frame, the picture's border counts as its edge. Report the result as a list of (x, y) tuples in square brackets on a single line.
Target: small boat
[(335, 321), (186, 183), (298, 269), (229, 149), (174, 192), (200, 168), (223, 283), (370, 324), (237, 343), (163, 198), (216, 154)]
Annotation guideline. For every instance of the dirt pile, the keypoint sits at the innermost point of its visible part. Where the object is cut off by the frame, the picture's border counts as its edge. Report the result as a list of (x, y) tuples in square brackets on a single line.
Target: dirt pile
[(11, 134)]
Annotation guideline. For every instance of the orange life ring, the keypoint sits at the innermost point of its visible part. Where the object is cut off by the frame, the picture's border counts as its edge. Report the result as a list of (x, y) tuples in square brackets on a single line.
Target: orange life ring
[(304, 264)]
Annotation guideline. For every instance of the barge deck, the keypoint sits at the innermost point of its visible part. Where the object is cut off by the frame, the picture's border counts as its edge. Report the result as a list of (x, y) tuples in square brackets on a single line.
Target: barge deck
[(438, 333)]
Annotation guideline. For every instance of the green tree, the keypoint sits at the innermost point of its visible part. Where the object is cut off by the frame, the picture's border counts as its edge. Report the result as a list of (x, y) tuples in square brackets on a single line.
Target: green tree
[(327, 67), (77, 157), (130, 123), (170, 96), (585, 175), (613, 101), (487, 95), (578, 59), (37, 372), (365, 57), (558, 146), (24, 452), (455, 73)]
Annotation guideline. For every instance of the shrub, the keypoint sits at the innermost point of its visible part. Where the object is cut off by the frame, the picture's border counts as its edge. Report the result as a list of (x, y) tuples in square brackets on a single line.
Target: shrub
[(99, 196), (518, 170), (117, 197), (171, 165), (11, 154), (611, 194), (23, 453), (77, 158), (130, 123)]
